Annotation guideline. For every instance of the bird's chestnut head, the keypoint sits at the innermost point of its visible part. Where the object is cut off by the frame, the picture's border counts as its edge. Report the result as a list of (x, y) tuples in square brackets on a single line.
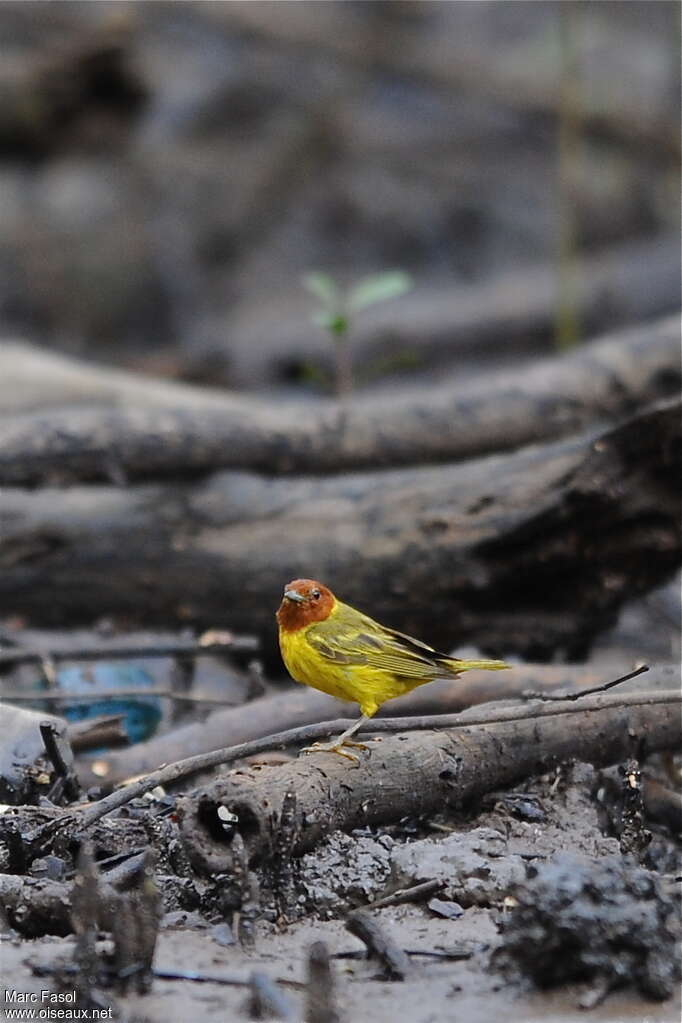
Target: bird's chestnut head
[(305, 601)]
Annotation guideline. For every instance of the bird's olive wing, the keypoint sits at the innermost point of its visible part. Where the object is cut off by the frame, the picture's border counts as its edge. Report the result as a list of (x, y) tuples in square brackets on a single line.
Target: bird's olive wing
[(375, 647)]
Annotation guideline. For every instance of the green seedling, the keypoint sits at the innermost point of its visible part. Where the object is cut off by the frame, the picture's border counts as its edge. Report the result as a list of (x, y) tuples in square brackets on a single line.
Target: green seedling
[(338, 307)]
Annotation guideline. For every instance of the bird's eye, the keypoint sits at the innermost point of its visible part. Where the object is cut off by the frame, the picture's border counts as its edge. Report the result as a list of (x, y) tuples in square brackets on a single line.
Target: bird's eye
[(315, 594)]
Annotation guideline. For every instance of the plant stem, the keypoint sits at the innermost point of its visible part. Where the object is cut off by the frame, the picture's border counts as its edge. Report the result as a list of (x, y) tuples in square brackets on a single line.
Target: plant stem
[(344, 367), (567, 316)]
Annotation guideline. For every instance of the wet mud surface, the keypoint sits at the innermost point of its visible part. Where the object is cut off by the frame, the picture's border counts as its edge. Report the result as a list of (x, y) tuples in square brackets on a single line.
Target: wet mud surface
[(538, 915), (439, 989)]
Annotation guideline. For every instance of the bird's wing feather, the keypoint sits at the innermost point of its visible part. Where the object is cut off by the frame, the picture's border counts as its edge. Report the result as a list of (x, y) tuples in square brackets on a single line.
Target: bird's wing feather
[(354, 639)]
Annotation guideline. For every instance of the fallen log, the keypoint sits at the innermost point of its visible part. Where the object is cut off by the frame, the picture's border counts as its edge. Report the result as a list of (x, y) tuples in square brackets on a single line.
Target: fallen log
[(300, 706), (530, 553), (172, 773), (419, 772), (145, 429), (35, 906), (38, 905)]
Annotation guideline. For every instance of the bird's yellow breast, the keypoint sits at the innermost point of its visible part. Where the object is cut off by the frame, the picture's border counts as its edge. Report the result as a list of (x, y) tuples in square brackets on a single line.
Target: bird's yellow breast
[(367, 686), (306, 665)]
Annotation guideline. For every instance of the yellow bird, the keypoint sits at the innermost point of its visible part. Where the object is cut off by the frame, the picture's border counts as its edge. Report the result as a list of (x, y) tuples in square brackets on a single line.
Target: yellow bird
[(332, 647)]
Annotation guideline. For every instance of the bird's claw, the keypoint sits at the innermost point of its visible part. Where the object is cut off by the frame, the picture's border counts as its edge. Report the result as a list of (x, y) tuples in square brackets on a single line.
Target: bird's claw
[(336, 747)]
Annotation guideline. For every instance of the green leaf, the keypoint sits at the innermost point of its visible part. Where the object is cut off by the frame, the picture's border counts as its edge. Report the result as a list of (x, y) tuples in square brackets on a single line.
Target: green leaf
[(378, 288), (335, 323), (323, 287)]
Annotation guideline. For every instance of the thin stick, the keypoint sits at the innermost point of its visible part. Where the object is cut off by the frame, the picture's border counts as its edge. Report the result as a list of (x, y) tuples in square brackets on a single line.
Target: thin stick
[(173, 648), (61, 696), (58, 750), (41, 969), (414, 894), (234, 980), (453, 952), (203, 761), (530, 695)]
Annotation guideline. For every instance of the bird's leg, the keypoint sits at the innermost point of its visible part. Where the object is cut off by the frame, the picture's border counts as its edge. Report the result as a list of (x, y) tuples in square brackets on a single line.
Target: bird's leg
[(336, 745)]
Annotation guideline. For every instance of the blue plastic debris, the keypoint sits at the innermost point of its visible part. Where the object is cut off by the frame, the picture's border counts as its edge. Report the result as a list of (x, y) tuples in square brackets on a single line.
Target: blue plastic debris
[(141, 714)]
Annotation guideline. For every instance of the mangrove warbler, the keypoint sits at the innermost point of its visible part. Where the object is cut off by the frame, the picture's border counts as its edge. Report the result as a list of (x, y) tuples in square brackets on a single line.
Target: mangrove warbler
[(331, 646)]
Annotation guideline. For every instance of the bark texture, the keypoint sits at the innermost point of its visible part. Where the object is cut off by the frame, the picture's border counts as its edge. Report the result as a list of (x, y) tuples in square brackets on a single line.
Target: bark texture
[(109, 425), (413, 773), (530, 553)]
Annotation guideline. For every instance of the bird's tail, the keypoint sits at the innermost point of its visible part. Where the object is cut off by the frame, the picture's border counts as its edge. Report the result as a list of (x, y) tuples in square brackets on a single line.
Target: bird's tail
[(456, 665)]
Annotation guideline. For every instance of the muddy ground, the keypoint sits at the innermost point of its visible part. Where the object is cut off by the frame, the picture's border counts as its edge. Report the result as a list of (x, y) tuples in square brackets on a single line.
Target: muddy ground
[(458, 970), (440, 990)]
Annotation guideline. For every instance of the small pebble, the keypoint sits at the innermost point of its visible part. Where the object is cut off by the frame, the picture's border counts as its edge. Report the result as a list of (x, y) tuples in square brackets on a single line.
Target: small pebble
[(450, 910)]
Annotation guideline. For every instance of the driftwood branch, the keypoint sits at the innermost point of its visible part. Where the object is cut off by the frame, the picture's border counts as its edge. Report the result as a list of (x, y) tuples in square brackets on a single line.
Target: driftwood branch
[(147, 429), (299, 706), (205, 761), (418, 772), (531, 552)]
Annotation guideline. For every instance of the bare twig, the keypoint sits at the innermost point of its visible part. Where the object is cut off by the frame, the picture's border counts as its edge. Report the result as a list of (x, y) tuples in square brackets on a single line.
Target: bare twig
[(229, 979), (61, 757), (531, 695), (415, 893)]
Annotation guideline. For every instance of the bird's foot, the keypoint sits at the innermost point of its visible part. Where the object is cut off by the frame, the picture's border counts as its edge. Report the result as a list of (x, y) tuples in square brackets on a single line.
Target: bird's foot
[(336, 747)]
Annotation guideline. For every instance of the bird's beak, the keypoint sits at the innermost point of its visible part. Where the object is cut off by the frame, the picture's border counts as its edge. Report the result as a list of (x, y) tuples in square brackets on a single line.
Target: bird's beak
[(293, 595)]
